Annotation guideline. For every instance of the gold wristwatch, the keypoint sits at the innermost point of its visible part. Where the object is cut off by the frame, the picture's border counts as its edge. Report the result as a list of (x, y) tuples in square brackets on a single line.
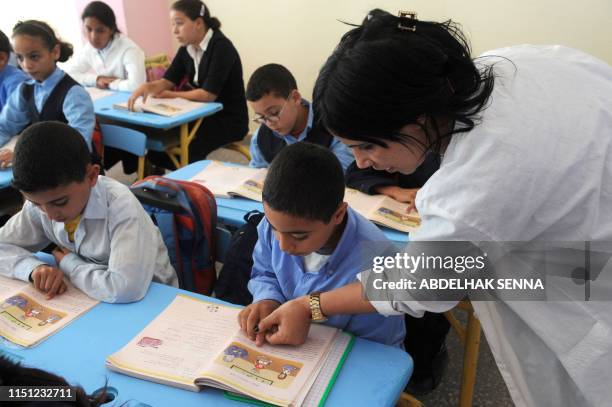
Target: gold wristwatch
[(314, 299)]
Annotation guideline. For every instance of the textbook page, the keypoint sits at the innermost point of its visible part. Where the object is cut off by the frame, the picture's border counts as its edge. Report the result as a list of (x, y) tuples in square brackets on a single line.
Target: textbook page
[(95, 93), (225, 181), (383, 210), (280, 375), (27, 317), (173, 348), (165, 107)]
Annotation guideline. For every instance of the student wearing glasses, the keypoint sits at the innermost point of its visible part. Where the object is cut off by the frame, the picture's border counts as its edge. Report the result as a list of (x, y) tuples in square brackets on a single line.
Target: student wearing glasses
[(284, 117)]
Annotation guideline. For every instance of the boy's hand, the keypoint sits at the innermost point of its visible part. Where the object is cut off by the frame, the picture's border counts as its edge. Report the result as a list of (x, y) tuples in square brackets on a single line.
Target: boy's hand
[(250, 316), (289, 324), (59, 253), (406, 195), (6, 158), (49, 280)]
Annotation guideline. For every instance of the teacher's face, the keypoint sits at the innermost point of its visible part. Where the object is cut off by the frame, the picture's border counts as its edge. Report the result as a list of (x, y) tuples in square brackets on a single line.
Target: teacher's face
[(396, 157)]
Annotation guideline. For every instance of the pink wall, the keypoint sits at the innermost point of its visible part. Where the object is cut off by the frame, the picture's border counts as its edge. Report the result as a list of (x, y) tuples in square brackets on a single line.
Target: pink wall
[(146, 22)]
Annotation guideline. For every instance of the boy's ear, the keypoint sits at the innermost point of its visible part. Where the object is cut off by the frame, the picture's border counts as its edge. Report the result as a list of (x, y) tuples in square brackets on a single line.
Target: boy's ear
[(296, 96), (4, 57), (338, 216), (91, 174)]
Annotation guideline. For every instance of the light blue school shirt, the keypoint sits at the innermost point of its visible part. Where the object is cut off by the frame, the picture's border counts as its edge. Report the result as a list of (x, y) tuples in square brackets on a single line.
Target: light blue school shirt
[(10, 78), (341, 151), (281, 277), (78, 108)]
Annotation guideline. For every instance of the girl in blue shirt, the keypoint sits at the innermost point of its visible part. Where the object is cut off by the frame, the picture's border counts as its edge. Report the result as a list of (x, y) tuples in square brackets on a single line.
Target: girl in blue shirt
[(10, 76), (49, 94)]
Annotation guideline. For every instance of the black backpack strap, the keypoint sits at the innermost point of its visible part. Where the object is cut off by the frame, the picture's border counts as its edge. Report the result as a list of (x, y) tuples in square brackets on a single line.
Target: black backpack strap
[(234, 277)]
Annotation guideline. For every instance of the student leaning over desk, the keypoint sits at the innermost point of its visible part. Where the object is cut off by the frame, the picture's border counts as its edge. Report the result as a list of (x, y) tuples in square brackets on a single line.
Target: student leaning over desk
[(49, 94), (10, 76), (107, 245), (525, 138), (307, 241), (109, 60), (210, 66)]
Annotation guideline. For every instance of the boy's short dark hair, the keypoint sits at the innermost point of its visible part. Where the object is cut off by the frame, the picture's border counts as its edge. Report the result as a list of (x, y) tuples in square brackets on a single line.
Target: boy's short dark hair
[(5, 44), (305, 180), (49, 155), (14, 374), (270, 78)]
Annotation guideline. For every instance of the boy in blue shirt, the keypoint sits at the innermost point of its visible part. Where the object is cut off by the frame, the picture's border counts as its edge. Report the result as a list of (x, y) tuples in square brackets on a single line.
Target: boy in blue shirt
[(307, 241), (10, 76), (284, 117)]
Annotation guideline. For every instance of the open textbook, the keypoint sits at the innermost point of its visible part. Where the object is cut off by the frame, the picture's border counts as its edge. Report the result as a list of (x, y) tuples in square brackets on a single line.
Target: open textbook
[(226, 181), (96, 93), (383, 210), (195, 343), (165, 107), (27, 317)]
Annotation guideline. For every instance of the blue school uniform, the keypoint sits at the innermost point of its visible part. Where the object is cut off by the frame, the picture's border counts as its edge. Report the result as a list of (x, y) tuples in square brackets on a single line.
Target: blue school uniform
[(281, 277), (10, 78), (76, 107), (258, 157)]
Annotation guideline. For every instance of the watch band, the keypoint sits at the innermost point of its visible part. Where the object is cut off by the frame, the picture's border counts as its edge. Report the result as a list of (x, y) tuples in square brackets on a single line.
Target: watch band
[(314, 299)]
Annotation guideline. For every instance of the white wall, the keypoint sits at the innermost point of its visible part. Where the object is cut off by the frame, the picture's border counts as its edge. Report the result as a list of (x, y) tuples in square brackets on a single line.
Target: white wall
[(61, 15), (301, 34)]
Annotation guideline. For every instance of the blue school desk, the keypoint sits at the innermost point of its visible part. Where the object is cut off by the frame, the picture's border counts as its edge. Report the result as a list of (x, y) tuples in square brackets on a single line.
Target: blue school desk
[(6, 176), (373, 374), (104, 109), (231, 211)]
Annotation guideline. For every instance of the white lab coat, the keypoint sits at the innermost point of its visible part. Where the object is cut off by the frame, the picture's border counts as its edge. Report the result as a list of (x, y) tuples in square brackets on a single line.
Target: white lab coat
[(537, 168)]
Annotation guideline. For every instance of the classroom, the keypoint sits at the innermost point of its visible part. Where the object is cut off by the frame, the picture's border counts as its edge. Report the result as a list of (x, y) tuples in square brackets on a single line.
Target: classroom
[(255, 203)]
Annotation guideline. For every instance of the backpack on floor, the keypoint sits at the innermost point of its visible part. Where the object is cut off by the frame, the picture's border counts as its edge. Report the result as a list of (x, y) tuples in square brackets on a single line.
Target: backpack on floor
[(186, 214), (236, 272)]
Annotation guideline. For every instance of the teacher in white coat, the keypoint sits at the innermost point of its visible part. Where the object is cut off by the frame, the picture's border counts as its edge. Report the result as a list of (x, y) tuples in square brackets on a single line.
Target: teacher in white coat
[(525, 137)]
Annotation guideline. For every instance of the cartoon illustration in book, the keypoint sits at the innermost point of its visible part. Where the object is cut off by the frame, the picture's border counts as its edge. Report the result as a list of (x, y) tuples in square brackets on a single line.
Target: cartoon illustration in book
[(16, 300), (147, 342), (403, 218), (261, 362), (26, 313), (32, 313), (50, 320), (259, 367), (233, 351), (286, 371)]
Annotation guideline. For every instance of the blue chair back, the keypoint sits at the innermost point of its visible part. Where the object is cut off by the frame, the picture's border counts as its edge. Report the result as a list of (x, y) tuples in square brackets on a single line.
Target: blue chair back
[(125, 139)]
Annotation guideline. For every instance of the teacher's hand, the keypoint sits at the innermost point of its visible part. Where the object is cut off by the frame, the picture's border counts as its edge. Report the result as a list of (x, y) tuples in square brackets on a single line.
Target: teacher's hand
[(288, 324)]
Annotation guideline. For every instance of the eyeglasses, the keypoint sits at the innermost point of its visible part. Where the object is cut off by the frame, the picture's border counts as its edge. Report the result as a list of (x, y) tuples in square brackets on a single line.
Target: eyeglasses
[(272, 117)]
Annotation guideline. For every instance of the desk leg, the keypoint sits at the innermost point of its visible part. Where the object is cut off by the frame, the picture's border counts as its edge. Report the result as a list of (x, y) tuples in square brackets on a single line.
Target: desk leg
[(186, 139)]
